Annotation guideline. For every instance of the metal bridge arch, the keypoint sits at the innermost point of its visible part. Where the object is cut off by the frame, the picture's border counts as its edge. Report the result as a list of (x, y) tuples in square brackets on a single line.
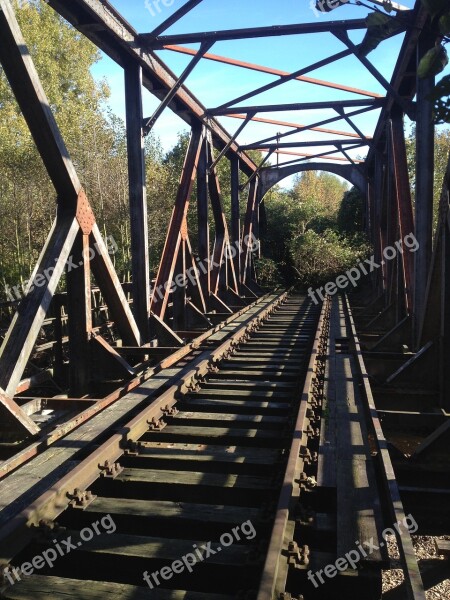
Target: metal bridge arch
[(270, 177)]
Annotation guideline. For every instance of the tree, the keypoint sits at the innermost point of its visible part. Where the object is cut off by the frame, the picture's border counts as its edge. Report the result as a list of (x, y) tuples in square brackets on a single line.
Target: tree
[(350, 213), (63, 58), (303, 238), (441, 156)]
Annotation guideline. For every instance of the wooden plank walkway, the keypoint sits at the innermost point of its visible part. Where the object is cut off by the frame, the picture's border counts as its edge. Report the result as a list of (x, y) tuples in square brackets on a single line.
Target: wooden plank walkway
[(345, 463)]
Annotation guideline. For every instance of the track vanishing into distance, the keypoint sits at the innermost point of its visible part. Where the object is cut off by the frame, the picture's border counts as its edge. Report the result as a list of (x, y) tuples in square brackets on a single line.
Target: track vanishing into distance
[(203, 464), (244, 467)]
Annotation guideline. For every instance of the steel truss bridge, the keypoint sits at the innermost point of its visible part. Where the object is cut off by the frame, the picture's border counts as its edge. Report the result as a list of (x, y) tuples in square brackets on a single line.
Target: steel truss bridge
[(154, 384)]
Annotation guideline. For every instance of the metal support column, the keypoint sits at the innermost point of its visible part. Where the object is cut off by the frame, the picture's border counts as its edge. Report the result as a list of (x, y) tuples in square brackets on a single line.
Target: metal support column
[(424, 189), (235, 216), (138, 199)]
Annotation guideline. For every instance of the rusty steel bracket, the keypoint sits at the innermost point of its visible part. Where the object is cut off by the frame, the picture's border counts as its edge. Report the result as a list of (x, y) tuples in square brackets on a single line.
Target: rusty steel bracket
[(312, 432), (85, 215), (81, 499), (307, 482), (307, 456), (297, 555), (156, 424), (170, 411), (110, 470)]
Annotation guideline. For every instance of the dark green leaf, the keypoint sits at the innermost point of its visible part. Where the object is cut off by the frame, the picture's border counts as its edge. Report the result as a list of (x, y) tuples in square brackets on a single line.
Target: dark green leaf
[(434, 61), (376, 19), (380, 27), (444, 24)]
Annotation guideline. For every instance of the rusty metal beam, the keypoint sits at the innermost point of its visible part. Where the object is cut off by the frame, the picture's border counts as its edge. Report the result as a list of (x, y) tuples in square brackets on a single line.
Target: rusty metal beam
[(137, 199), (203, 219), (285, 78), (424, 189), (403, 78), (313, 127), (24, 80), (298, 127), (121, 42), (406, 105), (306, 144), (174, 89), (306, 156), (324, 105), (235, 216), (177, 15), (246, 259), (251, 32), (166, 270), (262, 69), (404, 203)]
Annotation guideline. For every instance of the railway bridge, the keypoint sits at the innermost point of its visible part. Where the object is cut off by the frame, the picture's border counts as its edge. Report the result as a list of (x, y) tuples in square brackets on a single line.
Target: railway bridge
[(194, 436)]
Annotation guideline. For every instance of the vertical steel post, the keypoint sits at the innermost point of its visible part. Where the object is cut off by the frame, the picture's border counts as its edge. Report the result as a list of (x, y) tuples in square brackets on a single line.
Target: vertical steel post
[(203, 220), (138, 199), (80, 316), (424, 189), (235, 216)]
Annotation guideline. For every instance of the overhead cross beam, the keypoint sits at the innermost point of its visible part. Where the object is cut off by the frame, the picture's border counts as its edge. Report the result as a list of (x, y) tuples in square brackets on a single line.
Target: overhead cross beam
[(250, 32), (262, 69), (309, 155), (403, 102), (148, 124), (113, 35), (302, 144), (330, 104), (299, 128), (177, 15)]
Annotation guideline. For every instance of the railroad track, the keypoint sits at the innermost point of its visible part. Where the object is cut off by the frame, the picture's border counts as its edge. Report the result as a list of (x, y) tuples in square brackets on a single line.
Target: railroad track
[(180, 502)]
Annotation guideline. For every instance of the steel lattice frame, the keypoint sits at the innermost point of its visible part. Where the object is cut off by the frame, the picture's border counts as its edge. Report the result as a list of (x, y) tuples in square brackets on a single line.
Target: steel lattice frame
[(228, 280)]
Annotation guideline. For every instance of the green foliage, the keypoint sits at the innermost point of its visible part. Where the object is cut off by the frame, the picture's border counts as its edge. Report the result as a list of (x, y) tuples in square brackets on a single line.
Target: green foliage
[(434, 62), (63, 59), (436, 59), (350, 214), (441, 155), (305, 238), (380, 27), (444, 24), (95, 138), (268, 272), (319, 258)]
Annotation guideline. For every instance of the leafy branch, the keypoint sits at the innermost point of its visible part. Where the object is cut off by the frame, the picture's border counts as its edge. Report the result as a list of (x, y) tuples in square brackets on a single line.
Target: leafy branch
[(381, 26)]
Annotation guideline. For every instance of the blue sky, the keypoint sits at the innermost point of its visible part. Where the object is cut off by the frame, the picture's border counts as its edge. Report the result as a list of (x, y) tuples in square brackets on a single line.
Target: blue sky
[(214, 83)]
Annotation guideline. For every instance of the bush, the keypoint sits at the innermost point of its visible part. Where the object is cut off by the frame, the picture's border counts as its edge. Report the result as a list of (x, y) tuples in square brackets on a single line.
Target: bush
[(319, 258), (268, 272)]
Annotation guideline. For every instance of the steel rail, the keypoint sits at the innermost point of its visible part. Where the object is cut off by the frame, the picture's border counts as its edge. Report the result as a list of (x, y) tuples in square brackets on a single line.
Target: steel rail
[(290, 489), (16, 533), (47, 439)]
